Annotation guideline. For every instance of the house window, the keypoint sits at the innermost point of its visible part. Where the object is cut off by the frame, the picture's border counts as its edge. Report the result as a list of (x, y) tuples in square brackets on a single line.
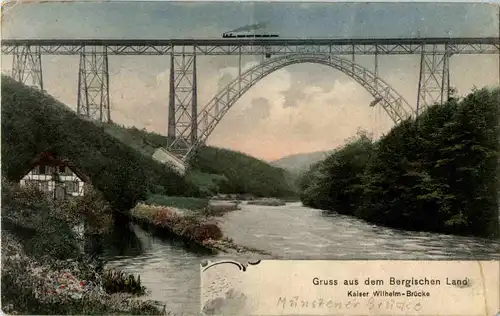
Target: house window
[(72, 186), (62, 169), (41, 169)]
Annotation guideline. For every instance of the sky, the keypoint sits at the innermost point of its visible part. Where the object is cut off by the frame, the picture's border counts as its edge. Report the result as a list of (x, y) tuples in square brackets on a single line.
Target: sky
[(299, 108)]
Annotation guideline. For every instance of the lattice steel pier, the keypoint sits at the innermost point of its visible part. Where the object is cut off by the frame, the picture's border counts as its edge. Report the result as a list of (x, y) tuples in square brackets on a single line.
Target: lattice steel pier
[(434, 79), (93, 84), (183, 101), (27, 65)]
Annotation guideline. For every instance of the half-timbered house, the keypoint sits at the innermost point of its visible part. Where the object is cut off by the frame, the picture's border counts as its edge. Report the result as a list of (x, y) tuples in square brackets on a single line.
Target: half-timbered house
[(56, 176)]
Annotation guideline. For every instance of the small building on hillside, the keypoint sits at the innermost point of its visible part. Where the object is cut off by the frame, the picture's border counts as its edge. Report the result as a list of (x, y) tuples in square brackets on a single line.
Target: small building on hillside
[(163, 156), (56, 176)]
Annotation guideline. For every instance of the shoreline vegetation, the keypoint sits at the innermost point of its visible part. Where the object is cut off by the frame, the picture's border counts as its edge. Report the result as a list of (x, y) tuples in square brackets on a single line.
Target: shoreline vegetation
[(44, 267), (50, 286), (194, 227), (437, 173)]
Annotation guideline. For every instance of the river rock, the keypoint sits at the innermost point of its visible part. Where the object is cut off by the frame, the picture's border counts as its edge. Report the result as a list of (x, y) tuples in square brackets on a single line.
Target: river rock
[(220, 205), (267, 202)]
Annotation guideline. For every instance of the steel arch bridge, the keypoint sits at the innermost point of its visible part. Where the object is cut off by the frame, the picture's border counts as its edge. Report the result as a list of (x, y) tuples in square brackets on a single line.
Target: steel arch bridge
[(185, 122), (391, 101)]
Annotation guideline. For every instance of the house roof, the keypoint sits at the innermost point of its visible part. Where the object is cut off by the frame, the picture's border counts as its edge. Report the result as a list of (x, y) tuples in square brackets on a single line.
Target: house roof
[(48, 157)]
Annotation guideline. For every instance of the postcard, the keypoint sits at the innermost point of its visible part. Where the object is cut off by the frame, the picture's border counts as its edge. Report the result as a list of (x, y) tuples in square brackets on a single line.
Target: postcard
[(250, 158)]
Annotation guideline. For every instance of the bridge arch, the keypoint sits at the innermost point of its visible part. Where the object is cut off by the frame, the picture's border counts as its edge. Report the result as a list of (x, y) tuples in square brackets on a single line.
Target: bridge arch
[(392, 102)]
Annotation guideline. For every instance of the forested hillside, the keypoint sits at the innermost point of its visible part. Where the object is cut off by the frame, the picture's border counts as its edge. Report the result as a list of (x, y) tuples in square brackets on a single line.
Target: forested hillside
[(244, 174), (437, 173), (118, 159), (218, 170), (33, 122)]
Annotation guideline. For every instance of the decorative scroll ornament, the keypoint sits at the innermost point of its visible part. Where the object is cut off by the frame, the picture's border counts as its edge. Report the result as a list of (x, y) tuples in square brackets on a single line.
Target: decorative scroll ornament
[(205, 264)]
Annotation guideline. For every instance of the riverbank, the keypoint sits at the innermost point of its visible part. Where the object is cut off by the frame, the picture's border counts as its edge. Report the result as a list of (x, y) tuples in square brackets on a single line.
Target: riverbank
[(44, 267), (250, 199), (39, 286), (196, 206), (198, 228)]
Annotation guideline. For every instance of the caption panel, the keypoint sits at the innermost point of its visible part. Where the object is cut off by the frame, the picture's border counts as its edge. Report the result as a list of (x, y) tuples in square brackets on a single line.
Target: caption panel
[(275, 287)]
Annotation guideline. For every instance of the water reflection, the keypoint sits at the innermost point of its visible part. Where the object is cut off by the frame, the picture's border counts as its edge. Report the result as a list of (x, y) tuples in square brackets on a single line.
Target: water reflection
[(120, 242), (166, 268)]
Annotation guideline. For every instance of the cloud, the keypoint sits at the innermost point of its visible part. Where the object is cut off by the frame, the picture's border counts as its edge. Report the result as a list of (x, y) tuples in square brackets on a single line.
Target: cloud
[(260, 109), (295, 95), (321, 120)]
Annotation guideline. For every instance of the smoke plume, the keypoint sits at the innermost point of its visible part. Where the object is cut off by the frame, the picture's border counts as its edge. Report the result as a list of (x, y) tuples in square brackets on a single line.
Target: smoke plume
[(250, 27)]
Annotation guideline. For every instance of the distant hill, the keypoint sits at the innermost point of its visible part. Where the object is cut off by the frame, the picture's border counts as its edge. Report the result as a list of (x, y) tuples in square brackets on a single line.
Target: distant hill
[(299, 162)]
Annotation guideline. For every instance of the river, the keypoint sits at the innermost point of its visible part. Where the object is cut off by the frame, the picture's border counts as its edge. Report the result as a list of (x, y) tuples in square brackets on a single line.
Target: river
[(293, 232)]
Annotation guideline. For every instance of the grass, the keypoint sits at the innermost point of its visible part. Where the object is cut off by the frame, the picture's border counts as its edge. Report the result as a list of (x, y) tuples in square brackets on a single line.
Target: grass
[(178, 202)]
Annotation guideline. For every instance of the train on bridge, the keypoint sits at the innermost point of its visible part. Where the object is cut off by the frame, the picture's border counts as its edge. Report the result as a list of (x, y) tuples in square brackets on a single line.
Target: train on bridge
[(237, 34), (248, 35)]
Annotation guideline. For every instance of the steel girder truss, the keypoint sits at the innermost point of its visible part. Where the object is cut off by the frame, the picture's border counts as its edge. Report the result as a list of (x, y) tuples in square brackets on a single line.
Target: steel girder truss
[(434, 79), (93, 85), (208, 118), (27, 66), (335, 49), (259, 47), (183, 101)]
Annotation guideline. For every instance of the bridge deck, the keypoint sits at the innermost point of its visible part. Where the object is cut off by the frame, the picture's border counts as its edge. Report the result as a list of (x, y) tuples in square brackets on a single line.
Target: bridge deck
[(258, 46), (252, 41)]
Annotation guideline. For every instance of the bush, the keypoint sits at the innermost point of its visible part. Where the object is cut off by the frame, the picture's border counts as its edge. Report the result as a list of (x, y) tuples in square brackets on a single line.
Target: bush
[(30, 215), (188, 226), (201, 232), (207, 231), (96, 212), (59, 287), (118, 282), (163, 217), (45, 225)]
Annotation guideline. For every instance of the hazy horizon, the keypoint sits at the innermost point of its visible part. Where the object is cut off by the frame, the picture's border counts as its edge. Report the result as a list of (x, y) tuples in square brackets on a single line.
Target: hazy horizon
[(298, 109)]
